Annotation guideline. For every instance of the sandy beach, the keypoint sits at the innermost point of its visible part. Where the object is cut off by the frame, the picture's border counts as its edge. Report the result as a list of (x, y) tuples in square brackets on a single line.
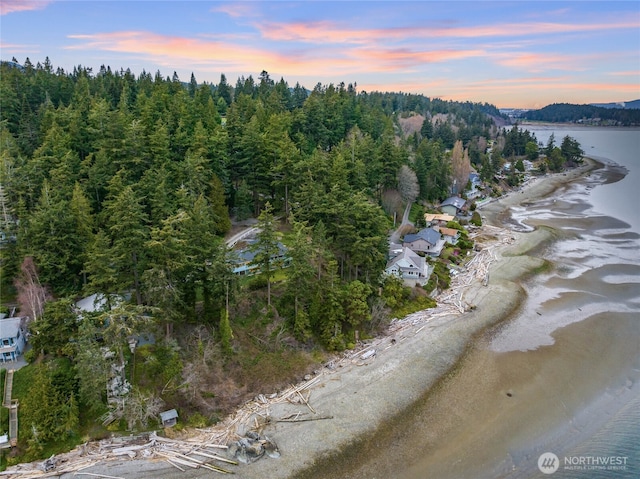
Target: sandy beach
[(355, 397)]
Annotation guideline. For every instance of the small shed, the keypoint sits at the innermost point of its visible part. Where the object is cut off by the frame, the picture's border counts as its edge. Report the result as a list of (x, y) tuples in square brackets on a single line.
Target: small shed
[(169, 418)]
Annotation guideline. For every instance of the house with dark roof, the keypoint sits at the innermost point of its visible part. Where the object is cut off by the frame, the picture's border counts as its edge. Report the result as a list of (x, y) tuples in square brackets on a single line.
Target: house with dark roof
[(12, 339), (427, 240), (453, 205), (410, 267), (242, 261)]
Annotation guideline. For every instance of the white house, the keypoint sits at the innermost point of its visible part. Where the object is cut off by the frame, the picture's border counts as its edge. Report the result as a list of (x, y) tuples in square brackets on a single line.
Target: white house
[(409, 266)]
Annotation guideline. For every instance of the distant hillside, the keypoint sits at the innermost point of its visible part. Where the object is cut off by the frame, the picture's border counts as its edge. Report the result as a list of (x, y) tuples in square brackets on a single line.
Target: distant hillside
[(587, 114), (629, 105)]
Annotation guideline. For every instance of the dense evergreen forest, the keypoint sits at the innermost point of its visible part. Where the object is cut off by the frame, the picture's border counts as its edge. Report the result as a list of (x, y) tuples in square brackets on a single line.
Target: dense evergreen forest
[(567, 112), (126, 185)]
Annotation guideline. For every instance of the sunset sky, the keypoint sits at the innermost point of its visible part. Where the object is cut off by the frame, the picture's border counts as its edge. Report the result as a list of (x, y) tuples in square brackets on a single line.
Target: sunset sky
[(523, 54)]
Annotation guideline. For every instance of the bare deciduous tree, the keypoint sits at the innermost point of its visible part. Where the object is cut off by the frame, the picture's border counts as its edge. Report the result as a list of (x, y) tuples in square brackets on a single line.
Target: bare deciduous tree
[(408, 184), (461, 166), (139, 409), (31, 294)]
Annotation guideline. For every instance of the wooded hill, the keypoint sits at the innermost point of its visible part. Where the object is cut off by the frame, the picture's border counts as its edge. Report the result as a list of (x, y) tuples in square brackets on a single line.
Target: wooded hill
[(120, 184), (567, 112)]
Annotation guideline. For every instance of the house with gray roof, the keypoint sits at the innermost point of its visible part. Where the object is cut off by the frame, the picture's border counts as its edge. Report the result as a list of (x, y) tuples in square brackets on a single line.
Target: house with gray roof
[(427, 240), (452, 205), (410, 267), (12, 339), (169, 418), (242, 261)]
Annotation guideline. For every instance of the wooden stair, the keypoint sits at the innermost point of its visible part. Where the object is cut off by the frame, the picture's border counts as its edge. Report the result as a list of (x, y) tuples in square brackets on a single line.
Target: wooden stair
[(12, 405)]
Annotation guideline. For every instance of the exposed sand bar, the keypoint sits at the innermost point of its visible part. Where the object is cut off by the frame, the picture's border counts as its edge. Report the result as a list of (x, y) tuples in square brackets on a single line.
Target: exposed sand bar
[(360, 395)]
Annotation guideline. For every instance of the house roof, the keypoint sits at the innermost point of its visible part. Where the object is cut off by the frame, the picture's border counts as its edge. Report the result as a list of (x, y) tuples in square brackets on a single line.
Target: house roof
[(429, 217), (95, 302), (429, 235), (9, 327), (247, 256), (454, 201), (407, 259), (395, 249), (168, 415), (98, 301), (449, 231)]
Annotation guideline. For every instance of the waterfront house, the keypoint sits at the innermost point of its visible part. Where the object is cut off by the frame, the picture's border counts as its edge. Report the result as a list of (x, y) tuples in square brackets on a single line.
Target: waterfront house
[(409, 266), (427, 240), (453, 205), (450, 235), (12, 338), (435, 219)]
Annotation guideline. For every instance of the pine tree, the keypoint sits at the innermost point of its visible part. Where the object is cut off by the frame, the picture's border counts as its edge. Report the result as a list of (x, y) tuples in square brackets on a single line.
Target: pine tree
[(301, 274), (266, 247), (127, 227)]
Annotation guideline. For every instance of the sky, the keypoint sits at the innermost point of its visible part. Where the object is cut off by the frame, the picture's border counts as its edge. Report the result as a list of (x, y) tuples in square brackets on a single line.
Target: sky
[(518, 54)]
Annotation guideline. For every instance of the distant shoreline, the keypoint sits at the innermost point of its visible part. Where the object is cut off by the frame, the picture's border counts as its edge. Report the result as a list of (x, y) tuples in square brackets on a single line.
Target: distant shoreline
[(550, 124)]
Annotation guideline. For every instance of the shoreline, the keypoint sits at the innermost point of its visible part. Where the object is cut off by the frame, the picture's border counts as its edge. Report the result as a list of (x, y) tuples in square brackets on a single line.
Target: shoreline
[(359, 396)]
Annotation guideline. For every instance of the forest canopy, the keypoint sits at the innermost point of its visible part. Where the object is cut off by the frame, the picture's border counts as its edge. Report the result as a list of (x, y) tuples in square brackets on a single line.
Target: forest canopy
[(122, 183), (126, 187)]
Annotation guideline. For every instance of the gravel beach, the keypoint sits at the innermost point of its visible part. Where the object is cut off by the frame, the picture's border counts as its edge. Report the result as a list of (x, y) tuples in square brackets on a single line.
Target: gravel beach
[(348, 402)]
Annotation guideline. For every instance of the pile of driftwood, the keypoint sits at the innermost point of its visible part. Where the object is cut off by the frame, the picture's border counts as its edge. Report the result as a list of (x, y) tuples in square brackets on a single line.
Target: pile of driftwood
[(179, 454), (218, 448), (238, 438)]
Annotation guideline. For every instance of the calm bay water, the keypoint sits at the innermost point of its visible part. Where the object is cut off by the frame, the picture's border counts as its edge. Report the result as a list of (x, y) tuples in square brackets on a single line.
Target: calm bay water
[(563, 376), (596, 287), (615, 147)]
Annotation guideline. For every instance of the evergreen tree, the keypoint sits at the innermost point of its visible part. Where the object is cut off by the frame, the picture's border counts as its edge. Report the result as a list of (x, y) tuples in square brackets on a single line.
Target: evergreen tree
[(301, 274), (50, 237), (127, 227), (266, 248), (571, 150)]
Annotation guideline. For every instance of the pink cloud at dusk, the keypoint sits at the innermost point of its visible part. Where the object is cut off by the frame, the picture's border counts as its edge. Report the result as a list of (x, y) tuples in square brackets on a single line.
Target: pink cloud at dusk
[(174, 50), (235, 10), (635, 73), (323, 32), (402, 58), (538, 62), (177, 50), (20, 48), (12, 6)]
